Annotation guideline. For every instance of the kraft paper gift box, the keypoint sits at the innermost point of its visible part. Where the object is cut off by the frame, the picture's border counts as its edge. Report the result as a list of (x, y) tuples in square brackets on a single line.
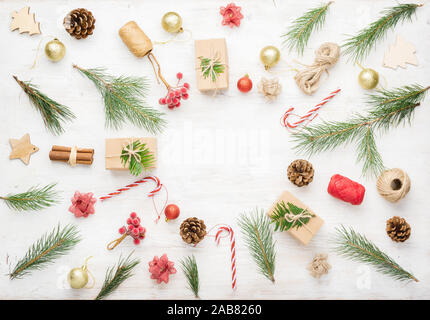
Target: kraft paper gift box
[(216, 50), (304, 235), (114, 148)]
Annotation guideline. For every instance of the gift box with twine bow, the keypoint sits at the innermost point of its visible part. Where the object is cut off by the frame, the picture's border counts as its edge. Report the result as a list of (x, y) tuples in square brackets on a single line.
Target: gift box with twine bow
[(115, 146)]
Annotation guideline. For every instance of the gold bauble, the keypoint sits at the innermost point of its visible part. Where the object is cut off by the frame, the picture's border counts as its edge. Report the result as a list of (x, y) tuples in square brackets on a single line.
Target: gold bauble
[(172, 22), (270, 56), (78, 278), (55, 50), (368, 79)]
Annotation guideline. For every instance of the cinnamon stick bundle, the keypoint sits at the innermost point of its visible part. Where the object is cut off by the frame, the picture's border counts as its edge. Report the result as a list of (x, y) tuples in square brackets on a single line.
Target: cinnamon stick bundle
[(60, 153)]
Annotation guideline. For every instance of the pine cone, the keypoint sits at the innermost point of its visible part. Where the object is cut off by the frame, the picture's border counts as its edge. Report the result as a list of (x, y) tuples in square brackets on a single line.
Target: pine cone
[(79, 23), (300, 172), (193, 230), (398, 229)]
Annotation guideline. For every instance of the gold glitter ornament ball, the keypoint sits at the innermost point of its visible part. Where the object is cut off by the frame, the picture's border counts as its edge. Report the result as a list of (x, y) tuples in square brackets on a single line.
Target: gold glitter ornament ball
[(270, 56), (78, 278), (55, 50), (368, 79), (172, 22)]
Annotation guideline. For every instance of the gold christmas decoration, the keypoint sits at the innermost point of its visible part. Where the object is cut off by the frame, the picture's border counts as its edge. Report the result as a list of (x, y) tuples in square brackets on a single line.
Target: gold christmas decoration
[(270, 56), (393, 185), (172, 22), (270, 88), (399, 54), (25, 22), (79, 23), (300, 172), (319, 265), (22, 149), (55, 50), (368, 78), (78, 277), (193, 230), (398, 229)]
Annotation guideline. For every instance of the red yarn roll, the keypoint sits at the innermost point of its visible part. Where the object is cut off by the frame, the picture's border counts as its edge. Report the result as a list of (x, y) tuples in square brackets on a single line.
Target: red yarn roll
[(345, 189)]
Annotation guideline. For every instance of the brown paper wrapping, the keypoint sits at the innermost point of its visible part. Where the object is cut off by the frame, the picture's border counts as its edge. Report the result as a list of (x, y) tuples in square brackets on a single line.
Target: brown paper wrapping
[(135, 39), (114, 148), (60, 153), (302, 234), (207, 49)]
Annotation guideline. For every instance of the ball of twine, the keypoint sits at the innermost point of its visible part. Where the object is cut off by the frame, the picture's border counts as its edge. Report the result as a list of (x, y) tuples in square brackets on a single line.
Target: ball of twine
[(393, 185)]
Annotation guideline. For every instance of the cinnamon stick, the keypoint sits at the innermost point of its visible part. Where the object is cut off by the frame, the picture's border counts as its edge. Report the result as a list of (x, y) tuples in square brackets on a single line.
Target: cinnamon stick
[(60, 153)]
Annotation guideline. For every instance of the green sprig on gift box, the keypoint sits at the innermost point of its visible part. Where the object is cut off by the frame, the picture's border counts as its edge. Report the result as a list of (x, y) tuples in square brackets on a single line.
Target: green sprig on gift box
[(287, 216), (211, 67), (138, 157)]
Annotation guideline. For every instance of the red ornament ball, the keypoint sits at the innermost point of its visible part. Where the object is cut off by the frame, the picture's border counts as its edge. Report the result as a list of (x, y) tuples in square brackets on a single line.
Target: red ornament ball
[(244, 84), (172, 212)]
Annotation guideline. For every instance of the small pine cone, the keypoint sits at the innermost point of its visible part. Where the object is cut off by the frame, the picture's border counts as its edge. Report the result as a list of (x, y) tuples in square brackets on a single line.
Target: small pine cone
[(300, 172), (79, 23), (193, 230), (398, 229)]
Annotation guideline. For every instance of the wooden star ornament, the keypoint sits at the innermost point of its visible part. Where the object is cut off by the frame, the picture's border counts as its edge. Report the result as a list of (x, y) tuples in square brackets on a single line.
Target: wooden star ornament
[(25, 22), (22, 149)]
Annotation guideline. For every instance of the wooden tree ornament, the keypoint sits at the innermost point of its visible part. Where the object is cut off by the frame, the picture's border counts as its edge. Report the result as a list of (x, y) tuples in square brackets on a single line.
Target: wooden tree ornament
[(399, 54), (22, 149), (25, 22)]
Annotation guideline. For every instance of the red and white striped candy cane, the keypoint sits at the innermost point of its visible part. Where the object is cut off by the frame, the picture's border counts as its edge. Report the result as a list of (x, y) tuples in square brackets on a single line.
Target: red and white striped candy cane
[(229, 230), (135, 184), (309, 116)]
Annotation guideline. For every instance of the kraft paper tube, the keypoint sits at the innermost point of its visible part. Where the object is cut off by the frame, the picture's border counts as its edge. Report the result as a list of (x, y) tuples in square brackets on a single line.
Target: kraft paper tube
[(135, 39)]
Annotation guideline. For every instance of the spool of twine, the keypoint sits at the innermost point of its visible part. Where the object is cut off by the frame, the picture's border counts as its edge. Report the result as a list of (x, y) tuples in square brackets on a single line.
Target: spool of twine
[(135, 39), (393, 185)]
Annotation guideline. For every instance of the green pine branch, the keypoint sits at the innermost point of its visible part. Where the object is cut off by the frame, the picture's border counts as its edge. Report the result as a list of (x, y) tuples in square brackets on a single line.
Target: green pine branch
[(189, 267), (116, 275), (124, 99), (143, 160), (53, 113), (211, 69), (45, 250), (357, 247), (258, 235), (35, 198), (359, 46), (299, 32), (278, 216), (387, 109)]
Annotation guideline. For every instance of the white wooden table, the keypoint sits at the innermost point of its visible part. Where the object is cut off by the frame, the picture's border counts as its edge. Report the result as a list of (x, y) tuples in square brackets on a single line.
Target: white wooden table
[(219, 156)]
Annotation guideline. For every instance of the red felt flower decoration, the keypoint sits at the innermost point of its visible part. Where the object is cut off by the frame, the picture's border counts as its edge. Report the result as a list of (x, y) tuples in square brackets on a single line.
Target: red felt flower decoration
[(231, 15), (160, 268), (83, 204)]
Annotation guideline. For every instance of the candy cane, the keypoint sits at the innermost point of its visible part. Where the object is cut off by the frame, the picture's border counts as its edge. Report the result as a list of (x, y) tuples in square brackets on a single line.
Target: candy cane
[(228, 229), (309, 116), (135, 184)]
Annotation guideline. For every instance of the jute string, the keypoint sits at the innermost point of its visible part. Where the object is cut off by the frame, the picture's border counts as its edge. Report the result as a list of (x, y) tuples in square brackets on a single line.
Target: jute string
[(293, 218), (73, 155), (129, 151), (393, 185)]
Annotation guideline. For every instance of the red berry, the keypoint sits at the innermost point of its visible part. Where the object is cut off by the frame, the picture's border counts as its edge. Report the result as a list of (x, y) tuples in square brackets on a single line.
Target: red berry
[(122, 230), (133, 215), (136, 241), (171, 106), (169, 101), (140, 229), (136, 221), (135, 232), (175, 101), (129, 221), (179, 75), (130, 227), (171, 94), (185, 96), (186, 85), (183, 90), (142, 236), (244, 84), (178, 105), (177, 93)]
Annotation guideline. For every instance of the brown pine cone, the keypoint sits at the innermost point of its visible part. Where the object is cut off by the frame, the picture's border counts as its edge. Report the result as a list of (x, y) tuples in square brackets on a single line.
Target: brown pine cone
[(398, 229), (300, 172), (193, 230), (79, 23)]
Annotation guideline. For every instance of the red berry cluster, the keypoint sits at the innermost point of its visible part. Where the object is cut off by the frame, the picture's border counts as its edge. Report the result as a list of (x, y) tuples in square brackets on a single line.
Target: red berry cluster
[(175, 94), (134, 228)]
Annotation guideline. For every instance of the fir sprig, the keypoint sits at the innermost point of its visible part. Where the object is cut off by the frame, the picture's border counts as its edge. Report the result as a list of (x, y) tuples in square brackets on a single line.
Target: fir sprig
[(35, 198), (53, 113), (211, 69), (298, 34), (282, 224), (388, 108), (124, 99), (359, 46), (189, 267), (138, 156), (48, 248), (258, 235), (357, 247), (116, 275)]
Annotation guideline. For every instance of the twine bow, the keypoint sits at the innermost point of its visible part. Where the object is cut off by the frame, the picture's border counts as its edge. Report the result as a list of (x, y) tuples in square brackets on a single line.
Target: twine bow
[(293, 218), (131, 152)]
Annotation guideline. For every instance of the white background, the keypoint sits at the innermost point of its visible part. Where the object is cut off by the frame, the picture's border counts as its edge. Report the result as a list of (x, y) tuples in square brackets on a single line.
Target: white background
[(220, 156)]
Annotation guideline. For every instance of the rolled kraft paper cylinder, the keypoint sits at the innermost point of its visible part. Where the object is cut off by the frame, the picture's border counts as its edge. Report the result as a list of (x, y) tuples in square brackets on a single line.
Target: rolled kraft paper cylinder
[(346, 190), (135, 39)]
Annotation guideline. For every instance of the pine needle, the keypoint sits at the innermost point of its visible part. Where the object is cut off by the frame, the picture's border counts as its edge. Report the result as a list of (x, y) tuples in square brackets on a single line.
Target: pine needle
[(48, 248), (35, 198), (357, 247), (298, 34), (124, 99), (117, 275), (278, 216), (388, 108), (189, 267), (359, 46), (211, 69), (137, 164), (258, 235), (53, 113)]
